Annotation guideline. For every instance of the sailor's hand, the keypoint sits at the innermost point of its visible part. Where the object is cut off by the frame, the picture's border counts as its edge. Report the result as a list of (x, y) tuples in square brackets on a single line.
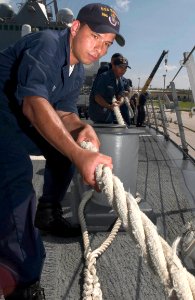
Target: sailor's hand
[(87, 161), (88, 134), (121, 101), (114, 104)]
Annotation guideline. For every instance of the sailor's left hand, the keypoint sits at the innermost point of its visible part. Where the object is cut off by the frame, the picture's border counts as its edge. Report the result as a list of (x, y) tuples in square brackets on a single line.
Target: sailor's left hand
[(88, 134)]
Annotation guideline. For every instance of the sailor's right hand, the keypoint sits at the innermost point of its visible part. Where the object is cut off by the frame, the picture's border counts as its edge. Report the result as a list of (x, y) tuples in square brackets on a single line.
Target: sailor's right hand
[(87, 163), (114, 104)]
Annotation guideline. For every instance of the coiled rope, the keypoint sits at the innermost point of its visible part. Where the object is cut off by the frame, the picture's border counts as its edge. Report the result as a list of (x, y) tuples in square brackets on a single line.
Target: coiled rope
[(155, 250)]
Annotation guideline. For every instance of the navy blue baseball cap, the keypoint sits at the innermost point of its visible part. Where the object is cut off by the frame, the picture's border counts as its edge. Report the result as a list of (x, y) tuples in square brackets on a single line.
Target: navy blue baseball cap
[(121, 61), (101, 18), (116, 55)]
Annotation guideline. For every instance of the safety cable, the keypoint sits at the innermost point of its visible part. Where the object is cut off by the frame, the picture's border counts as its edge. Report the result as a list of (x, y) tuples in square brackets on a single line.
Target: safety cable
[(185, 60), (180, 137), (192, 130), (178, 146)]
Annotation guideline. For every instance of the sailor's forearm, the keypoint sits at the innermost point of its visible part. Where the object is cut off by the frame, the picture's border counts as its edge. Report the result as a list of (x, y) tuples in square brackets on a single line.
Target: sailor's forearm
[(44, 118), (102, 102)]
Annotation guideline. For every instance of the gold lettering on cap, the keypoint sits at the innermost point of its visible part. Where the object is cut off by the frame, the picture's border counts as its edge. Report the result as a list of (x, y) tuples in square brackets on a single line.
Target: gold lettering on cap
[(104, 15)]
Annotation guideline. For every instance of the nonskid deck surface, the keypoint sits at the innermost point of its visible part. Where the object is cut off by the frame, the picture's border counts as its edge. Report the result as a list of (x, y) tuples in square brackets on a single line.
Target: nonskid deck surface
[(163, 184)]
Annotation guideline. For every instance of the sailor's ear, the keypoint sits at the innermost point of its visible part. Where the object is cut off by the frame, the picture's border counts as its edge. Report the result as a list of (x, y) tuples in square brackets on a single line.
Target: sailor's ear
[(75, 27)]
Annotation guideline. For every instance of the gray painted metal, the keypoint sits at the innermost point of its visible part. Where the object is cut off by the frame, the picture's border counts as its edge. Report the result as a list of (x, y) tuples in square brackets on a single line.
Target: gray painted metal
[(122, 145), (32, 13)]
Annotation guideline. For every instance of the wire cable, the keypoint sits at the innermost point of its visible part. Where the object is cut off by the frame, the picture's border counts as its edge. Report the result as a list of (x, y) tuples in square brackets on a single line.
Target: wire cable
[(185, 60)]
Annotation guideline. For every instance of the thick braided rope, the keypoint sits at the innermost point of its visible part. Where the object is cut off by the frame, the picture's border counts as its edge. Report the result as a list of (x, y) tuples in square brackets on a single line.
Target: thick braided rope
[(131, 113), (91, 286), (155, 250), (118, 113)]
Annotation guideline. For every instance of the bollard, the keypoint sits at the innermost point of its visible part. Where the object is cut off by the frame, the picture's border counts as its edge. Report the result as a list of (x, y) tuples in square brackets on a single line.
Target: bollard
[(122, 145), (26, 29)]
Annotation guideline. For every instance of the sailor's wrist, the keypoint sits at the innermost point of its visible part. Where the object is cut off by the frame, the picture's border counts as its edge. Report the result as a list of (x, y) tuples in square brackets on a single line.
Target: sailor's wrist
[(108, 106)]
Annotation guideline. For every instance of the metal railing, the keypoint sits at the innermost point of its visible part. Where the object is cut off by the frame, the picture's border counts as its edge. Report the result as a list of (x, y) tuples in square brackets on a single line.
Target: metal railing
[(173, 123)]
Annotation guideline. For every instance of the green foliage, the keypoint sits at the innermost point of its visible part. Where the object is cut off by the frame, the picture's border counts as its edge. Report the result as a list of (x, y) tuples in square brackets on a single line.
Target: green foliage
[(186, 105), (183, 105)]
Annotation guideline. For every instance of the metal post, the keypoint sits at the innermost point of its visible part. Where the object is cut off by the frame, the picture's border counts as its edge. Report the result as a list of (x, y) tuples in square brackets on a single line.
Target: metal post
[(179, 120), (164, 82), (138, 84), (26, 29), (147, 112), (166, 135), (155, 121)]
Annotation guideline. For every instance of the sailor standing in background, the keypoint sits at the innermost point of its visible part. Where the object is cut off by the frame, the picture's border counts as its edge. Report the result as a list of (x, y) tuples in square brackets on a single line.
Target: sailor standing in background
[(106, 86), (141, 109), (106, 67), (127, 85), (133, 103), (40, 80)]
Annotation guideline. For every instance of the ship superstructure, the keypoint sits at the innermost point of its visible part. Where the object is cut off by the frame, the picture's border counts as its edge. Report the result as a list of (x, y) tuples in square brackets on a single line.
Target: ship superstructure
[(39, 15)]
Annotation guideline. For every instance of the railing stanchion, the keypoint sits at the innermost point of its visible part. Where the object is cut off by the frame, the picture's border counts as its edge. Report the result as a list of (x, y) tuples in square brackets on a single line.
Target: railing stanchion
[(179, 120), (166, 135)]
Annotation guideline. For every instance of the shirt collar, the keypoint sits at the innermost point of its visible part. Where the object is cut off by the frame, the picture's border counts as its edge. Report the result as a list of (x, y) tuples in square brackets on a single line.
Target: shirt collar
[(65, 45)]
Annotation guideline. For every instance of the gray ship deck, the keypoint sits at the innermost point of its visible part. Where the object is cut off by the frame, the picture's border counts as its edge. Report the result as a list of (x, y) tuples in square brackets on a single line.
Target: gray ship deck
[(166, 183)]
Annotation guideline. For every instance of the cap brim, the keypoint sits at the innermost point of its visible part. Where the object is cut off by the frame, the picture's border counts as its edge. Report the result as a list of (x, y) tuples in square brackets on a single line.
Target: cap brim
[(120, 40), (123, 66), (99, 28)]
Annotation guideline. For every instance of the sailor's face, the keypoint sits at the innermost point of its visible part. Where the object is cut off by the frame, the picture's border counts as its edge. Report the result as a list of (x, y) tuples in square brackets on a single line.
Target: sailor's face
[(89, 46), (119, 70)]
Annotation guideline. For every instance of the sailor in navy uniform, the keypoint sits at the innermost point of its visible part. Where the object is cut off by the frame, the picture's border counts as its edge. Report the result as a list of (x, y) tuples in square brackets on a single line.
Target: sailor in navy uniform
[(40, 80), (106, 86)]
